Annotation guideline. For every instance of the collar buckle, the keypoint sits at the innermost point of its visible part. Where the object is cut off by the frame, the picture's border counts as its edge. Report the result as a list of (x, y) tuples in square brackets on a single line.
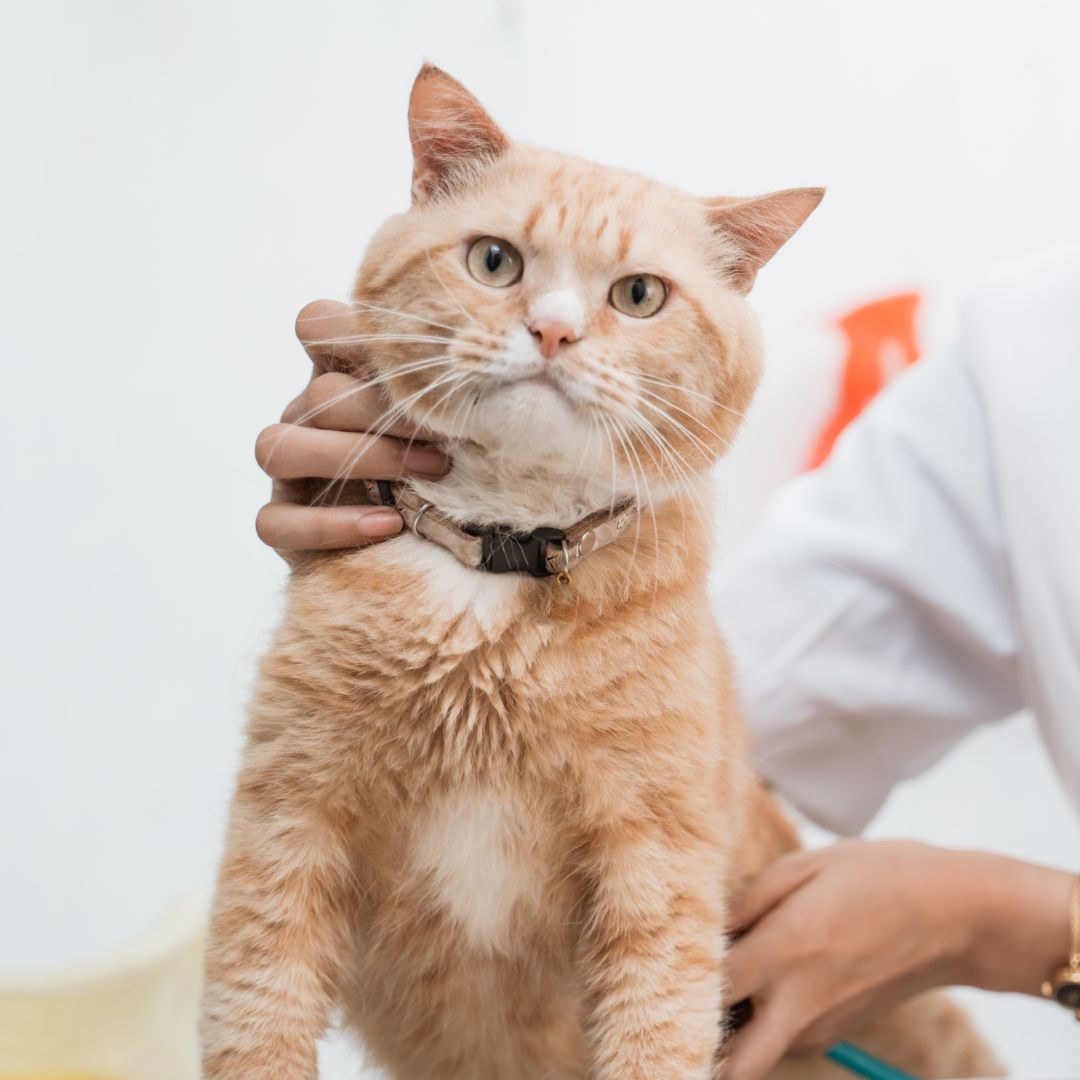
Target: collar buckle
[(508, 552)]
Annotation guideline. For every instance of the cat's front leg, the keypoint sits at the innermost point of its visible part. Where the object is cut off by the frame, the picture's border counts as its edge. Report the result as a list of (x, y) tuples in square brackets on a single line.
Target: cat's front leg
[(278, 934), (653, 950)]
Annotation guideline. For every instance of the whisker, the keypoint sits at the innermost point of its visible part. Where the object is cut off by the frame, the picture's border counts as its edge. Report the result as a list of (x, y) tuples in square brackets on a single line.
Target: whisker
[(659, 448), (462, 380), (376, 380), (679, 426), (701, 423), (652, 515), (687, 478), (468, 402), (634, 472), (368, 306), (657, 381), (376, 339), (695, 505), (468, 315), (587, 454), (602, 417), (364, 384), (388, 418)]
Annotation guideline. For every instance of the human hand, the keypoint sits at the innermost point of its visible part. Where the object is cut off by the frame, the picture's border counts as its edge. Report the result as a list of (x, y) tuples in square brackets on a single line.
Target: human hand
[(837, 936), (324, 434)]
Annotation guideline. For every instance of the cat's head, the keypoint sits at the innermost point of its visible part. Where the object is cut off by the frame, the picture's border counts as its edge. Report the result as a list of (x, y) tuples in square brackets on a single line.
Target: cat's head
[(557, 317)]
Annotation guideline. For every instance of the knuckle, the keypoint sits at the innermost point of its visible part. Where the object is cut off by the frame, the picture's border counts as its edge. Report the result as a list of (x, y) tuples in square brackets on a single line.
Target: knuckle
[(346, 392), (309, 316), (265, 442), (321, 392), (296, 407), (264, 528)]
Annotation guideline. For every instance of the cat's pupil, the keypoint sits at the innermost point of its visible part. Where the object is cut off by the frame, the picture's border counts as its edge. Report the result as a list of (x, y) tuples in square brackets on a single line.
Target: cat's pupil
[(493, 259), (638, 290)]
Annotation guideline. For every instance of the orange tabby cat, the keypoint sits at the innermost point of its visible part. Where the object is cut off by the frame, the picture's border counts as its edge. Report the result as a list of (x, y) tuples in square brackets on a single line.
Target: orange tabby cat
[(493, 818)]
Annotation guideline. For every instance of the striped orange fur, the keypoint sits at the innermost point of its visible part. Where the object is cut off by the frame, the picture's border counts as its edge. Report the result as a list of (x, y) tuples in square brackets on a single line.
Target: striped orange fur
[(493, 819)]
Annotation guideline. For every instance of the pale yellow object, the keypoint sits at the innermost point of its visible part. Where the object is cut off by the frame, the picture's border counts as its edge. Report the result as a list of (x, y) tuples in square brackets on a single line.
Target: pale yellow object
[(127, 1016)]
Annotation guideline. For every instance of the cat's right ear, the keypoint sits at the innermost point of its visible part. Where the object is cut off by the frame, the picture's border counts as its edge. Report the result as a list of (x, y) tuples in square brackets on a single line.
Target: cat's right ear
[(450, 132), (755, 229)]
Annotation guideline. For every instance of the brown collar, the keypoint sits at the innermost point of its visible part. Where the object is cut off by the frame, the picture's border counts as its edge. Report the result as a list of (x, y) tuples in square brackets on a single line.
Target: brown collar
[(498, 548)]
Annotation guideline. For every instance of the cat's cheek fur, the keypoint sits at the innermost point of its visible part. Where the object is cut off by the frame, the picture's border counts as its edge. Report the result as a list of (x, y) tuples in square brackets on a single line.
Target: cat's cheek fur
[(518, 358)]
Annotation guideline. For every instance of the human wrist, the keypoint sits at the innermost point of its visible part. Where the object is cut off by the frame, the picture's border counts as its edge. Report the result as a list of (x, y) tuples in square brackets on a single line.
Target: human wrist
[(1019, 927)]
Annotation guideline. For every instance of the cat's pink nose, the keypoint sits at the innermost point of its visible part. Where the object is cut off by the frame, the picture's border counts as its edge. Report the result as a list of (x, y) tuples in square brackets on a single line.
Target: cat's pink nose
[(550, 334)]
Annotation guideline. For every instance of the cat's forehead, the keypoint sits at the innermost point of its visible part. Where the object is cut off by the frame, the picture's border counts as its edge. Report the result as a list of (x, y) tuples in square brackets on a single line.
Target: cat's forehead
[(556, 206)]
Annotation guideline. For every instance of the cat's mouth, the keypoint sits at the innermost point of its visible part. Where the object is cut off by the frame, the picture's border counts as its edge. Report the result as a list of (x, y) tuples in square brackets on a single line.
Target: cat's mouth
[(545, 378), (548, 381)]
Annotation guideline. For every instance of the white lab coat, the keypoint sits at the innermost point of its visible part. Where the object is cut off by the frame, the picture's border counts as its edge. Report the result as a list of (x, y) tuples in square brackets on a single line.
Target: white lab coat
[(927, 578)]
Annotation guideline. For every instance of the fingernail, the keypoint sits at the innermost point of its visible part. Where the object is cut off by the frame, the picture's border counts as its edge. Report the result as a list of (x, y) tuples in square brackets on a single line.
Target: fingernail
[(425, 459), (373, 523)]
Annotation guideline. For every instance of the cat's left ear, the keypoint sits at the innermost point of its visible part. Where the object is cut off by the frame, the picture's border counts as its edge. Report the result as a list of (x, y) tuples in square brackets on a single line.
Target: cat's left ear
[(755, 229), (450, 132)]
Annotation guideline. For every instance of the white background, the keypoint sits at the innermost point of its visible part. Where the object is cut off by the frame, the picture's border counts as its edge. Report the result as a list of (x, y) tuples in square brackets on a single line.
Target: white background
[(179, 178)]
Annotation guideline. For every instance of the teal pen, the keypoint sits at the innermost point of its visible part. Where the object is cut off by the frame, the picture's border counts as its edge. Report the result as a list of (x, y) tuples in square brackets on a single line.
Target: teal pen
[(863, 1064), (842, 1053)]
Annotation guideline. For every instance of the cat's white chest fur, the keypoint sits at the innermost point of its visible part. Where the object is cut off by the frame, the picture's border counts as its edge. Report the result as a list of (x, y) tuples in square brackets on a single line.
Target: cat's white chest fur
[(450, 589), (471, 849)]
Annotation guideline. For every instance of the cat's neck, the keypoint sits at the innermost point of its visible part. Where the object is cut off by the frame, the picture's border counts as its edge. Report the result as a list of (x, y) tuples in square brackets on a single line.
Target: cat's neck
[(485, 490)]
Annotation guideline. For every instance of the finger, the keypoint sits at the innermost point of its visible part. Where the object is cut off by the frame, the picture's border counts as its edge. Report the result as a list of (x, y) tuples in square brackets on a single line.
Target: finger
[(339, 402), (290, 451), (761, 1043), (754, 961), (291, 527), (327, 330), (769, 887)]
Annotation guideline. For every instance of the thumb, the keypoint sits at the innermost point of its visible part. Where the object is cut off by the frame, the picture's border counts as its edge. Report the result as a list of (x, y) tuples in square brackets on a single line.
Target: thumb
[(771, 886)]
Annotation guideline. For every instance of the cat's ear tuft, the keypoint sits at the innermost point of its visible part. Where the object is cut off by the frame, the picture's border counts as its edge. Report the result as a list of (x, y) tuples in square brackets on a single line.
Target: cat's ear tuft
[(755, 229), (450, 132)]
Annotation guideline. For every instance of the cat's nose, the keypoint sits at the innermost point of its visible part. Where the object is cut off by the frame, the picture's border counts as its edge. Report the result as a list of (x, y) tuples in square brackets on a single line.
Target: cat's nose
[(550, 334)]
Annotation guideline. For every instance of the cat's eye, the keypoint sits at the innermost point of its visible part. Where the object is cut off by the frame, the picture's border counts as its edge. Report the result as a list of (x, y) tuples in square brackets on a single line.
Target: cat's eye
[(494, 262), (640, 295)]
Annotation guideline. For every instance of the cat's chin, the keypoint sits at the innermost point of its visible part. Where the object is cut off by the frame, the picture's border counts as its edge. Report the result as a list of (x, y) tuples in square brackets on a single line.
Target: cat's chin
[(532, 456), (534, 420), (486, 487)]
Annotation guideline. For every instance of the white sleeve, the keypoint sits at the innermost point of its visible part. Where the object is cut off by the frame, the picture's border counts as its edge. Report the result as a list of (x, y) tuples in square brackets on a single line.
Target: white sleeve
[(871, 614)]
